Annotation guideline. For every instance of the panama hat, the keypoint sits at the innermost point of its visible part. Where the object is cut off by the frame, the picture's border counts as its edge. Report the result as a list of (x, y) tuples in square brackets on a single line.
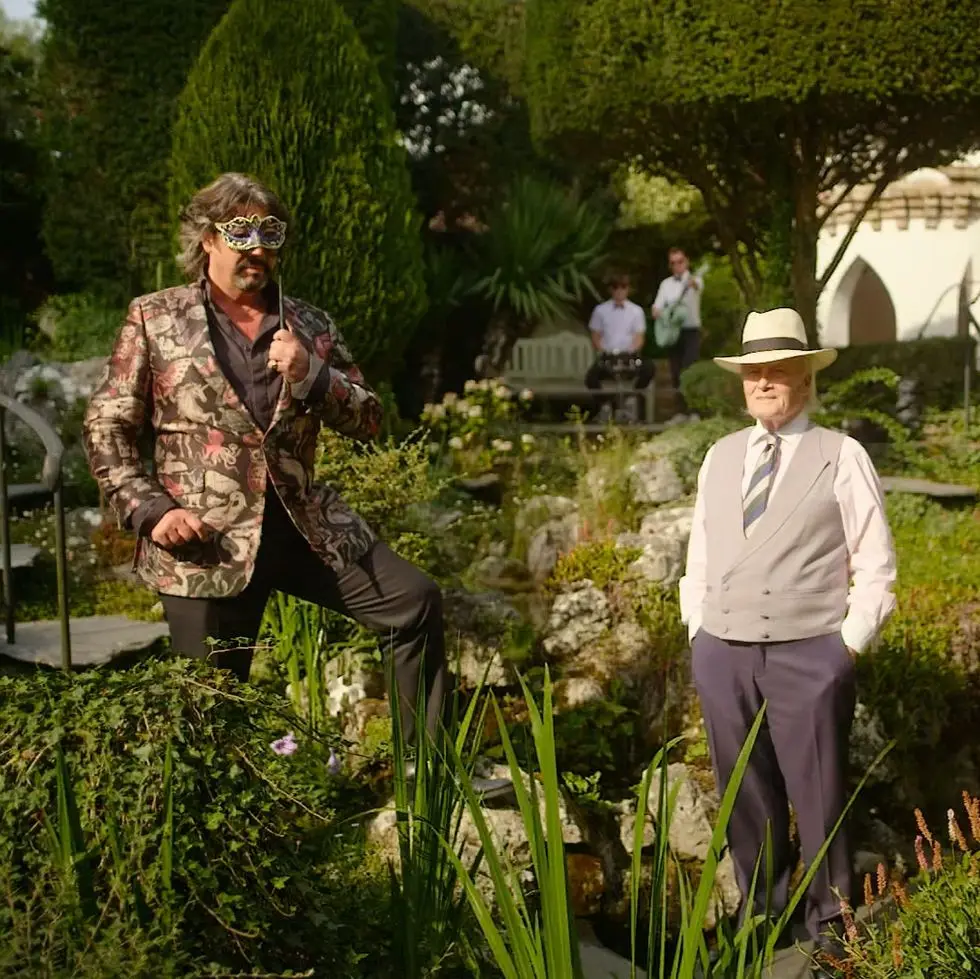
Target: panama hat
[(777, 334)]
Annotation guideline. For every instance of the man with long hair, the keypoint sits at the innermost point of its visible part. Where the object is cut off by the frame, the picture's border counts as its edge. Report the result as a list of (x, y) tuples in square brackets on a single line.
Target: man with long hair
[(234, 381)]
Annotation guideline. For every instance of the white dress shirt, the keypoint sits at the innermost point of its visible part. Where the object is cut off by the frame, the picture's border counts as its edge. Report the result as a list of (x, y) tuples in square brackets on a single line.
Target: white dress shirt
[(617, 326), (670, 291), (871, 554)]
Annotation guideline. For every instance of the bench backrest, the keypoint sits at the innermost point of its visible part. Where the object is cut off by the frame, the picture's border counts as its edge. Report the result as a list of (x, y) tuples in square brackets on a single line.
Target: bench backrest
[(563, 356)]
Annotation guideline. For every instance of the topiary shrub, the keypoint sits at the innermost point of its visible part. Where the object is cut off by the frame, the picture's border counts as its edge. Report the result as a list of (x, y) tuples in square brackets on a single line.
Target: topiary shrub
[(285, 91), (148, 827), (111, 77)]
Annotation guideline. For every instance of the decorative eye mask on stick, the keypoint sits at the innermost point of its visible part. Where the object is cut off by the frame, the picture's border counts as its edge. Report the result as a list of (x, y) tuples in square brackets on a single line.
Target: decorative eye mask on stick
[(243, 234)]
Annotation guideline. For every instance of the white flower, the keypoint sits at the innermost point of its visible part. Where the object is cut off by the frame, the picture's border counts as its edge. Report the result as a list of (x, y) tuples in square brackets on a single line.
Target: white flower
[(450, 398), (462, 406), (438, 411), (475, 411), (502, 445), (502, 392), (527, 439), (526, 395), (470, 386), (455, 442), (427, 410)]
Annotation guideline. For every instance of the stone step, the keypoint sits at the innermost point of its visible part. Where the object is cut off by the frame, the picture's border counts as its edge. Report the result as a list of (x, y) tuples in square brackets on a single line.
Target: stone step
[(95, 640), (23, 555), (926, 487)]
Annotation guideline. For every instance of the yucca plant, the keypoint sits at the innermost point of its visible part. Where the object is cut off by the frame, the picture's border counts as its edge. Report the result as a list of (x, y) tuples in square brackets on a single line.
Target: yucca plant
[(430, 906), (535, 261), (531, 942)]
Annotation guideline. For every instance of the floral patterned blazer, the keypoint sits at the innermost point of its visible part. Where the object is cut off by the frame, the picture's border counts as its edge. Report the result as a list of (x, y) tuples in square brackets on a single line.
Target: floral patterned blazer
[(209, 455)]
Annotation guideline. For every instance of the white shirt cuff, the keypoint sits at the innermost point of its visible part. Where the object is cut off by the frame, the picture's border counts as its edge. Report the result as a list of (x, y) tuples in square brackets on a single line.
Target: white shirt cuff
[(302, 388), (693, 625), (856, 632)]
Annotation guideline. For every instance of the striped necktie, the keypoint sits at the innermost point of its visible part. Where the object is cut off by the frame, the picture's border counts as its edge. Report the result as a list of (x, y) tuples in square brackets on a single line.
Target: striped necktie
[(757, 495)]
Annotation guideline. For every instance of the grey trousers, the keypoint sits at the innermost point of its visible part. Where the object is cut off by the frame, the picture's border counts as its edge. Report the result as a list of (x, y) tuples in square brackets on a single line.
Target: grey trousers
[(381, 591), (800, 757)]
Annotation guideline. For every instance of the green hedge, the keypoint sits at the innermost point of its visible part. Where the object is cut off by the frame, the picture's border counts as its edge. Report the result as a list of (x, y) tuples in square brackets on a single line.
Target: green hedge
[(284, 90), (936, 363)]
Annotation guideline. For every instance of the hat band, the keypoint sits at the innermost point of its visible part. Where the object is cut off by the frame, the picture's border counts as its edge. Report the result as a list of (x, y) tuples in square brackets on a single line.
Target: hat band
[(773, 343)]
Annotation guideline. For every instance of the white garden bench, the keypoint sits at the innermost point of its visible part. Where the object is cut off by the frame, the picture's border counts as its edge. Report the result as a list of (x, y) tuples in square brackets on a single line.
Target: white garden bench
[(554, 367)]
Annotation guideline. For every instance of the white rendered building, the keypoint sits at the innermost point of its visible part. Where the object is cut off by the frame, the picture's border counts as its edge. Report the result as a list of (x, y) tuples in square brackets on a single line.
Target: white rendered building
[(913, 267)]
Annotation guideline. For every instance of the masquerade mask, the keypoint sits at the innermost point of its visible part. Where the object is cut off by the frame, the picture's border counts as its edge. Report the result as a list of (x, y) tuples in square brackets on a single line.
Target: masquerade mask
[(244, 234)]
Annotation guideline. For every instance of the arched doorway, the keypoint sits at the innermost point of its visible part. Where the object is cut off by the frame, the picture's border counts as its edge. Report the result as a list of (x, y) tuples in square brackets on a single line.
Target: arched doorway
[(871, 314)]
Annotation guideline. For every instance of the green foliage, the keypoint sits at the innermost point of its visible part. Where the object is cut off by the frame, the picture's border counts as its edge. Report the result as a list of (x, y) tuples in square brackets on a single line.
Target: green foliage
[(202, 849), (381, 481), (264, 99), (651, 199), (24, 271), (85, 325), (376, 22), (711, 391), (755, 105), (934, 929), (599, 737), (936, 363), (111, 76), (601, 562), (538, 255)]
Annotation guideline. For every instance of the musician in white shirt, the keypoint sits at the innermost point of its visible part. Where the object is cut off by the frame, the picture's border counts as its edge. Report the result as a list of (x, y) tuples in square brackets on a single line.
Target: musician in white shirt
[(681, 286), (617, 326)]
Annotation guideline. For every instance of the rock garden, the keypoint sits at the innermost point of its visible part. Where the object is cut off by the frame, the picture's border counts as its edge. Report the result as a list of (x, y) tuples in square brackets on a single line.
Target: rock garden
[(179, 821)]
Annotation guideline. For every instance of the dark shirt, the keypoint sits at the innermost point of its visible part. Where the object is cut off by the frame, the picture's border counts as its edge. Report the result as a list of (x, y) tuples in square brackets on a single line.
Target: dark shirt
[(245, 363)]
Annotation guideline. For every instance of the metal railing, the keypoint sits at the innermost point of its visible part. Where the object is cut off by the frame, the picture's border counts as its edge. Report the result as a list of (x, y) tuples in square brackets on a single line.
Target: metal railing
[(51, 483)]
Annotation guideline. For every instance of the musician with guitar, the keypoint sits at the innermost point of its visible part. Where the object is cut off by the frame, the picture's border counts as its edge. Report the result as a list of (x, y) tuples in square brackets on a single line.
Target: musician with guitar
[(677, 317)]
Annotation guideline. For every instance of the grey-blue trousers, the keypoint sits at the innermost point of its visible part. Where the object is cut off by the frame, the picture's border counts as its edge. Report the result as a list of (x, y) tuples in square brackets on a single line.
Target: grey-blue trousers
[(800, 757)]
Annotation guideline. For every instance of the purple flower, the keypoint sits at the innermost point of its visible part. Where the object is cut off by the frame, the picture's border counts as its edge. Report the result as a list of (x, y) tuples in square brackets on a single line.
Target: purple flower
[(333, 763), (286, 745)]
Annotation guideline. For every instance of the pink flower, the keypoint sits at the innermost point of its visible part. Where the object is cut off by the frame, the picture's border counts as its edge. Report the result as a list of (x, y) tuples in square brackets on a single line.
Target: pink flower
[(285, 746)]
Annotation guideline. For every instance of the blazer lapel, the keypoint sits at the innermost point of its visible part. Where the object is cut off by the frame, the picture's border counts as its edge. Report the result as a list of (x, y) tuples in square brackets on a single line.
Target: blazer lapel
[(291, 319), (221, 402)]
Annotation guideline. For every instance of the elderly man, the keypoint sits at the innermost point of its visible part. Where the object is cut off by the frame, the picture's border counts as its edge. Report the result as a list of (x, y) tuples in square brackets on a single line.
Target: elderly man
[(789, 578), (234, 380)]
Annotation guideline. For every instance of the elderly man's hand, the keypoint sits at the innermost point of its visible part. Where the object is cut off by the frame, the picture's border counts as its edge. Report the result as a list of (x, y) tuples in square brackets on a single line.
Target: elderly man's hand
[(852, 653), (288, 356)]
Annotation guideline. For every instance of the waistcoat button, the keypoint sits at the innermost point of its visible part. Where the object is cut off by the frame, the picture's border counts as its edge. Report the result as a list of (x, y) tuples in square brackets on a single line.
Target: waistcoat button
[(765, 635), (765, 591), (764, 616)]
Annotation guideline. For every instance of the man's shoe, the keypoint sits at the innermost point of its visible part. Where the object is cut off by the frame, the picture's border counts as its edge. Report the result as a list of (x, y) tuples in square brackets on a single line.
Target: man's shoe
[(486, 788)]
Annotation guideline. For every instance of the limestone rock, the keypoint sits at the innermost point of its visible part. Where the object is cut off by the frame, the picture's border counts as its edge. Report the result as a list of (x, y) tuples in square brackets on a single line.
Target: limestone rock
[(548, 543), (672, 521), (500, 573), (579, 616), (475, 624), (654, 481), (662, 560), (540, 510), (577, 691)]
